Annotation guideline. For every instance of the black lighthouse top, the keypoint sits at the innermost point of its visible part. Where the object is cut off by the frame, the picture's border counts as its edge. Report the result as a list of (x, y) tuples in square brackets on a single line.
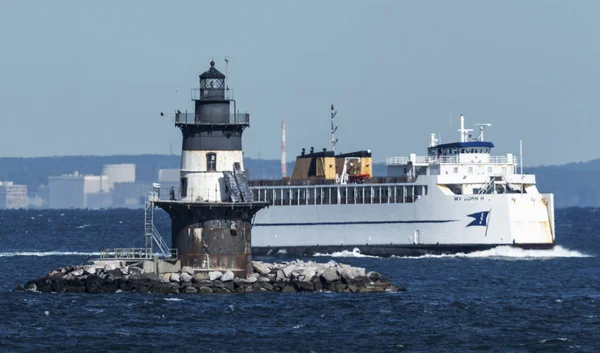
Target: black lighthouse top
[(213, 126), (212, 84)]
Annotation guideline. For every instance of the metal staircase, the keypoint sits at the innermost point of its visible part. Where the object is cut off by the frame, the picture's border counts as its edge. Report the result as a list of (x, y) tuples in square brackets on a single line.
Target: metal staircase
[(242, 183), (490, 185), (151, 234), (234, 191)]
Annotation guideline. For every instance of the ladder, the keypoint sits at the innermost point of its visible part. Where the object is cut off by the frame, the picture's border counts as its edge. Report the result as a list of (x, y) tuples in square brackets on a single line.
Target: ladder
[(151, 235)]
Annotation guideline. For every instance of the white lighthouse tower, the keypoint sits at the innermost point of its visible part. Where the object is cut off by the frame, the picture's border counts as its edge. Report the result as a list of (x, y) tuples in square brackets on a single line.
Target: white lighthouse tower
[(212, 213)]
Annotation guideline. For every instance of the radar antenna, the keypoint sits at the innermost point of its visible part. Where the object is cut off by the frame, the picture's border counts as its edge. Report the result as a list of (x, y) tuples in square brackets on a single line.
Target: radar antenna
[(481, 128)]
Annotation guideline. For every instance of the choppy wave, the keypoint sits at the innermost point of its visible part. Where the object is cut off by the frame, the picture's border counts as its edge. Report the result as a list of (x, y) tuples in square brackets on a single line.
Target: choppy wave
[(47, 253), (345, 253), (508, 252)]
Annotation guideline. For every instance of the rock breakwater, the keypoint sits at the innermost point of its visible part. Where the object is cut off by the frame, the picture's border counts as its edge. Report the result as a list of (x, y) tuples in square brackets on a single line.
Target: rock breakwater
[(295, 276)]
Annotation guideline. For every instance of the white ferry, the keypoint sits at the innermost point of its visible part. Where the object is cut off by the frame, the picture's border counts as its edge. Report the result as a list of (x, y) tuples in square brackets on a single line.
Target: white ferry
[(457, 198)]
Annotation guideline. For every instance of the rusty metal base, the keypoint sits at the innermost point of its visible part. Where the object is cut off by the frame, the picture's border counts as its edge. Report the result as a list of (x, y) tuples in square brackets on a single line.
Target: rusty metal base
[(213, 236)]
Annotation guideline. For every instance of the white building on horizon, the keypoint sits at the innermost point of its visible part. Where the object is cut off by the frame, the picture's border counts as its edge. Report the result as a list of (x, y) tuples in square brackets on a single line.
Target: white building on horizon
[(169, 175), (13, 196), (78, 191), (119, 173)]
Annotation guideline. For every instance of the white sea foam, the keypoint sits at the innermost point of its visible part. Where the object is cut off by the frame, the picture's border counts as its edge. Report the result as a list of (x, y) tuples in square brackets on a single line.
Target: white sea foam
[(83, 226), (511, 253), (47, 253), (345, 253), (173, 299)]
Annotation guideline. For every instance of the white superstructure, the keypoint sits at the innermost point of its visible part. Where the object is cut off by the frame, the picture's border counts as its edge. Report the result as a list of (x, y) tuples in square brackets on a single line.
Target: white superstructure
[(457, 198)]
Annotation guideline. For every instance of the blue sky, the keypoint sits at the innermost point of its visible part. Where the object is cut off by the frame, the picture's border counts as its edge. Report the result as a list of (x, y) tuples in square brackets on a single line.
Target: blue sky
[(90, 78)]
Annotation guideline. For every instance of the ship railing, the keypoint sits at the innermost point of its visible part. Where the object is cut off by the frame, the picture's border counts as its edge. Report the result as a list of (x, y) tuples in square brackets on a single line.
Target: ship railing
[(133, 253), (193, 119), (177, 195), (167, 194), (490, 160), (503, 160), (339, 194), (405, 160), (258, 183), (125, 253), (393, 161)]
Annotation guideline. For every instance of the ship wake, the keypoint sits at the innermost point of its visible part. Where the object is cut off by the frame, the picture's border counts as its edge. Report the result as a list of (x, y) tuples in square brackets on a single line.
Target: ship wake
[(511, 253), (48, 253), (345, 253)]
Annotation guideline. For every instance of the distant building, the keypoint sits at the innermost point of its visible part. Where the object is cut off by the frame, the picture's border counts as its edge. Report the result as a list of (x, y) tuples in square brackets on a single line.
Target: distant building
[(169, 175), (133, 195), (13, 195), (72, 190), (119, 173)]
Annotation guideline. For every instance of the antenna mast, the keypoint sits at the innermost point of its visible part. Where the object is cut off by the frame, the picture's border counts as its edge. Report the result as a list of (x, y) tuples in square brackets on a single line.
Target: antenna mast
[(283, 158), (521, 154), (464, 133), (226, 72), (333, 129)]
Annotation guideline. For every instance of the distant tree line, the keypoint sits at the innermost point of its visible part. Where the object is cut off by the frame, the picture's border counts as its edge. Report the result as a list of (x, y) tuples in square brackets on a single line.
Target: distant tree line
[(573, 184)]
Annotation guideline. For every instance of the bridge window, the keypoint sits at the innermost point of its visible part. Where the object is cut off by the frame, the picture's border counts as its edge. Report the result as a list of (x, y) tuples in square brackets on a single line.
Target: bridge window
[(455, 170), (211, 161)]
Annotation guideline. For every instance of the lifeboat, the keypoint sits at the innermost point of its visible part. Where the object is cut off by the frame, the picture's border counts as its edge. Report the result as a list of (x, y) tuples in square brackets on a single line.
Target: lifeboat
[(357, 178)]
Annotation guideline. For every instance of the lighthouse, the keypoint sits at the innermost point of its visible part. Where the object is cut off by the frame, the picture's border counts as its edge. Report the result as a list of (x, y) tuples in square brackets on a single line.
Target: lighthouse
[(211, 215)]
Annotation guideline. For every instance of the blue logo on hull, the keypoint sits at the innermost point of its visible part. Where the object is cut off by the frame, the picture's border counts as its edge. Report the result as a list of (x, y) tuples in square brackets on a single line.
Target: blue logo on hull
[(481, 219)]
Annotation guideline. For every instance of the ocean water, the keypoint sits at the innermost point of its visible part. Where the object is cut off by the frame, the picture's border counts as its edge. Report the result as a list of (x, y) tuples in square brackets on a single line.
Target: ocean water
[(500, 300)]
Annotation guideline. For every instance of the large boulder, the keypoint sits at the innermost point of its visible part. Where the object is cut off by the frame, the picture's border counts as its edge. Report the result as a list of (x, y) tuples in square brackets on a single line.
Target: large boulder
[(187, 269), (261, 268), (348, 274), (175, 277), (214, 275), (227, 276), (330, 275), (201, 276), (135, 271), (185, 277), (164, 288), (191, 289), (205, 290), (287, 271), (375, 276)]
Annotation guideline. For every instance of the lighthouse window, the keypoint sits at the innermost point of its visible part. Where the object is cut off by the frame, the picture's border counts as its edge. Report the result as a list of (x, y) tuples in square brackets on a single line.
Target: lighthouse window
[(211, 161), (211, 83)]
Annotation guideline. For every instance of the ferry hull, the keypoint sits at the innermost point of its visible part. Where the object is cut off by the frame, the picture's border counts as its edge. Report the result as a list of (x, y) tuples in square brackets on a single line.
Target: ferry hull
[(390, 250), (440, 225)]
